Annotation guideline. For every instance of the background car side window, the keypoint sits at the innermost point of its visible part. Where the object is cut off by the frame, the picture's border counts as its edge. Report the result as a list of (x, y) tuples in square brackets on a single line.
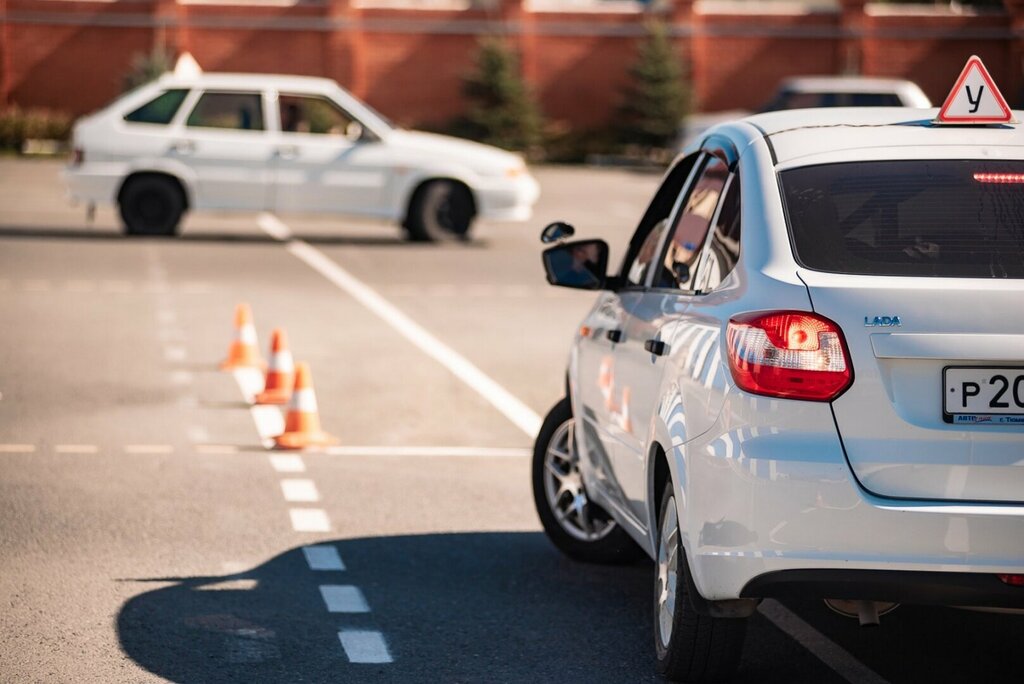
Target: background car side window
[(160, 110), (643, 248), (318, 115), (238, 111), (724, 248), (686, 243)]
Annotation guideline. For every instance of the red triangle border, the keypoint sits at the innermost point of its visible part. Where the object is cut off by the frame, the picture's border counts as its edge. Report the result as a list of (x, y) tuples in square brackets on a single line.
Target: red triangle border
[(1000, 100)]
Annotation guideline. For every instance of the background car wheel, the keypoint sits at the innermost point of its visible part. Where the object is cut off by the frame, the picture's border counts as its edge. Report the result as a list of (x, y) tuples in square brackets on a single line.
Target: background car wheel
[(690, 647), (151, 205), (440, 210), (577, 526)]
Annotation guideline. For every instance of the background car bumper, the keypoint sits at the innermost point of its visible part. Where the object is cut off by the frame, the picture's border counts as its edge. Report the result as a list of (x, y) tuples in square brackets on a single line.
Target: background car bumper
[(509, 200)]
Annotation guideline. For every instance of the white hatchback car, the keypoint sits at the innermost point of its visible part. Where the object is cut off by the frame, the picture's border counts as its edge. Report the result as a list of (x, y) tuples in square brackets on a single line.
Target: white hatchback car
[(829, 404), (286, 144)]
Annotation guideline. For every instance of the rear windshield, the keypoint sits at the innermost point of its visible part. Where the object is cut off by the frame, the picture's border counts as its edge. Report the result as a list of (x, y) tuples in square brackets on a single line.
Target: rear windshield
[(909, 218)]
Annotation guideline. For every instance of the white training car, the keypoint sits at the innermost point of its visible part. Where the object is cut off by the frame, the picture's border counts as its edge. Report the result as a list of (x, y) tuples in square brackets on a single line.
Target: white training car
[(285, 144), (830, 404)]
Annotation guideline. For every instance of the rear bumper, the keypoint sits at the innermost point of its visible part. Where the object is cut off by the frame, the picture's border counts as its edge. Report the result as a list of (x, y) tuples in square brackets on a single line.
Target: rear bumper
[(93, 182), (922, 588)]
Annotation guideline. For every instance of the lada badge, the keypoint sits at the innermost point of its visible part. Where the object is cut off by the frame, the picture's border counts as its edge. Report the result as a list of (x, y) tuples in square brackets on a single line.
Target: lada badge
[(882, 322)]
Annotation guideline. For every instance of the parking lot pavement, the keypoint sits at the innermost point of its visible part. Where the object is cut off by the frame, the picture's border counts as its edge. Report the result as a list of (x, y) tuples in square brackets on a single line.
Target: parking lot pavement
[(148, 534)]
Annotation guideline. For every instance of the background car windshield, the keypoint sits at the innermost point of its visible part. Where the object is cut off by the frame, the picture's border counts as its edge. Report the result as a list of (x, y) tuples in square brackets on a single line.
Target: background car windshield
[(242, 111), (945, 218), (159, 110)]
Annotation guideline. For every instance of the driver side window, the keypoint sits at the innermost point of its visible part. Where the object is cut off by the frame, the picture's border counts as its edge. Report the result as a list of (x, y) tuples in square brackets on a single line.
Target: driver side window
[(643, 248), (316, 115)]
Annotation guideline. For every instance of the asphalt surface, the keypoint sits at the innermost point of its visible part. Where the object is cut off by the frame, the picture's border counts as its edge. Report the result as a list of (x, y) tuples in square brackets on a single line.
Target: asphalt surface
[(145, 533)]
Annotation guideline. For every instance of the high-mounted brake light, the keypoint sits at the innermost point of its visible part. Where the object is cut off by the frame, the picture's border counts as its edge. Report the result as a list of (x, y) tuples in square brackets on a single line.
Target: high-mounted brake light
[(1006, 178), (789, 354)]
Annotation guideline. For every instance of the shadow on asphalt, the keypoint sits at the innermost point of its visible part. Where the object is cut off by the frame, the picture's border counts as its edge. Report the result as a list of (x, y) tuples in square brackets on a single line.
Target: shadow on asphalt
[(452, 607), (387, 240)]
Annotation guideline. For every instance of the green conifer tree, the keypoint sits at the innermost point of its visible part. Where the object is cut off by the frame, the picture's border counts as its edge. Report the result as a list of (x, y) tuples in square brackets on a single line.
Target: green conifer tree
[(657, 97), (502, 111)]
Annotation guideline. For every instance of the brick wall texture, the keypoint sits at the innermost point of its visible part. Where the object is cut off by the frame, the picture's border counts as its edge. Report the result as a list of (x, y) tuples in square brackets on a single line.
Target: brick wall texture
[(409, 63)]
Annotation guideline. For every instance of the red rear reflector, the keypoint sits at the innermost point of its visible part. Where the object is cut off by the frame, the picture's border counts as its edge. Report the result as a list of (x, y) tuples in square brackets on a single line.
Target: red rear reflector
[(789, 354), (1013, 580), (1002, 178)]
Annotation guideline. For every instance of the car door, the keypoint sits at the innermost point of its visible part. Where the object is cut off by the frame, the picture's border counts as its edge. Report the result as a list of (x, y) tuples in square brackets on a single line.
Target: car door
[(224, 141), (325, 160), (603, 394), (659, 325)]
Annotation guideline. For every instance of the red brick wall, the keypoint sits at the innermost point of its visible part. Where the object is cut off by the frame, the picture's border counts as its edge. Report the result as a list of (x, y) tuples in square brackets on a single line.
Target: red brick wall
[(72, 55)]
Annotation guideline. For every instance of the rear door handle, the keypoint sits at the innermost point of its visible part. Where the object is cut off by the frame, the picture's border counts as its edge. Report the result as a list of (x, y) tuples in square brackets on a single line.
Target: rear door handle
[(614, 335), (656, 347)]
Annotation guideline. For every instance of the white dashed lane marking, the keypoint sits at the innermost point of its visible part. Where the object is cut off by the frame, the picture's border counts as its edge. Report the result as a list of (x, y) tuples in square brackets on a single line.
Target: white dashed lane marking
[(198, 434), (76, 448), (300, 491), (174, 353), (364, 646), (287, 463), (309, 520), (181, 378), (344, 598), (323, 557), (268, 419), (17, 448)]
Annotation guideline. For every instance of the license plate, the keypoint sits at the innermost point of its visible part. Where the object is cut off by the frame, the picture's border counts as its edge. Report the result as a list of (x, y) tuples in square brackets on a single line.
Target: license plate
[(974, 395)]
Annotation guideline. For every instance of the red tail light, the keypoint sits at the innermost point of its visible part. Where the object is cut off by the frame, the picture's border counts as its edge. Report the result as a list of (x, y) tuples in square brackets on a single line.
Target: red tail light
[(789, 354), (1013, 580)]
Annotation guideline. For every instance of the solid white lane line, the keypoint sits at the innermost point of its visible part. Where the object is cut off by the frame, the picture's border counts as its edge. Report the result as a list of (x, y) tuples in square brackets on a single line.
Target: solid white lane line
[(323, 557), (309, 520), (17, 448), (287, 463), (515, 410), (76, 448), (268, 419), (299, 491), (174, 353), (364, 646), (481, 452), (826, 650), (344, 598), (272, 226), (148, 449)]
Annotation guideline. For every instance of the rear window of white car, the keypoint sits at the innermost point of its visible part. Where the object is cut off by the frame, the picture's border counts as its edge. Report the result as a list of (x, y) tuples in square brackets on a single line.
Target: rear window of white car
[(160, 110), (944, 218)]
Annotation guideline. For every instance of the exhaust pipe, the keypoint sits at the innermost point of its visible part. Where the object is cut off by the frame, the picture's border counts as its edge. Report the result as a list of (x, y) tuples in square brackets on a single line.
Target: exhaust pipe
[(866, 612)]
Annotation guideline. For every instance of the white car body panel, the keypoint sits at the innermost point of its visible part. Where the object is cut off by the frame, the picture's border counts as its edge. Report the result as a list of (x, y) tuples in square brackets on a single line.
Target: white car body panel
[(288, 171), (766, 484)]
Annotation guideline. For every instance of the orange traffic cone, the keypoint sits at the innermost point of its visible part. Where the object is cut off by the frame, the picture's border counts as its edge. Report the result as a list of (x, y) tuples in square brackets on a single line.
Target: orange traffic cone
[(243, 352), (281, 374), (302, 424)]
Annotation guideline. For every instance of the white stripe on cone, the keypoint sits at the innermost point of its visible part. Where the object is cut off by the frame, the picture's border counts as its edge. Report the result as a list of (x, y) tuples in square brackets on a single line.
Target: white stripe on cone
[(303, 401), (247, 334), (282, 362)]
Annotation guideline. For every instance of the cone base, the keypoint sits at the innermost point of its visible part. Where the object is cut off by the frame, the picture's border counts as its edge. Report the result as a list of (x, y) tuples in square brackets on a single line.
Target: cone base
[(273, 397), (303, 440)]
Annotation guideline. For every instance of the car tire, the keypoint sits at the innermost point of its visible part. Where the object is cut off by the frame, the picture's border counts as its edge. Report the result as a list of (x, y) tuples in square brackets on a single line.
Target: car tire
[(578, 527), (690, 647), (440, 211), (151, 205)]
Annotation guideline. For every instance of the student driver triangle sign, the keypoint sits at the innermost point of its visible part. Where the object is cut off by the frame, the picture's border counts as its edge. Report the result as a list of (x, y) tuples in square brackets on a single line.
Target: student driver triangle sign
[(975, 99)]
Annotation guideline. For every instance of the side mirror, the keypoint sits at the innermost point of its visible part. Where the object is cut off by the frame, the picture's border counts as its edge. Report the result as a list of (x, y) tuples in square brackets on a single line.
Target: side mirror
[(556, 231), (581, 265)]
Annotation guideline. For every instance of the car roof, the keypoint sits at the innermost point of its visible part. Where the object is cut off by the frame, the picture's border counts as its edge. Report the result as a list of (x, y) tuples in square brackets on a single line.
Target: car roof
[(208, 79), (846, 84), (875, 132)]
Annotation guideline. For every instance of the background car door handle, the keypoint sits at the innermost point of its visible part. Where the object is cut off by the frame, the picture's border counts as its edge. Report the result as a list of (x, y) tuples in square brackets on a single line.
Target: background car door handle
[(614, 335), (288, 152), (183, 147), (656, 347)]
